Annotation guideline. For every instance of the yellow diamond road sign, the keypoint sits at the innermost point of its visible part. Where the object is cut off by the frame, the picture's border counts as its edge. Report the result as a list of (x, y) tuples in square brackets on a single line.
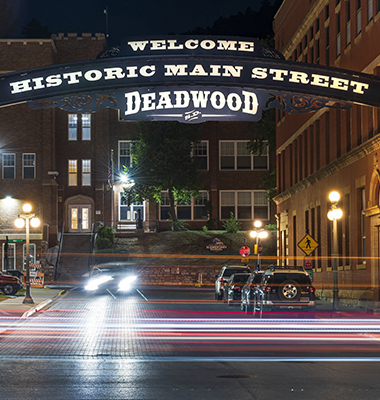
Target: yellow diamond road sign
[(307, 244)]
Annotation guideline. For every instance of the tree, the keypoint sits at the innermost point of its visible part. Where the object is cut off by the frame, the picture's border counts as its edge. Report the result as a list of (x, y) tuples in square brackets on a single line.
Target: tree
[(162, 161), (34, 30), (7, 23)]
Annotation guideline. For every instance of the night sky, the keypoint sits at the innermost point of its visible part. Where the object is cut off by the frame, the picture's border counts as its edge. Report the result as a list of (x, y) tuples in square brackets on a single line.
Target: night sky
[(126, 18)]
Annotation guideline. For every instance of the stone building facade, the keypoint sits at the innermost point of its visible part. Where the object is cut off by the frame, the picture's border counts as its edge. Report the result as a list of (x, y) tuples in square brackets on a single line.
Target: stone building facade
[(331, 149)]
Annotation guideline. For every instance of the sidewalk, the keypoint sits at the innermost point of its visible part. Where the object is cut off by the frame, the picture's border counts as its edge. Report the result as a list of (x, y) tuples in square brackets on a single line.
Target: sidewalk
[(14, 307)]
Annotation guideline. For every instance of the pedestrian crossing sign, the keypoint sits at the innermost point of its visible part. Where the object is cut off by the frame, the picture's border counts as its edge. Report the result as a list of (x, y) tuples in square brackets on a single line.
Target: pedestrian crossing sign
[(308, 244)]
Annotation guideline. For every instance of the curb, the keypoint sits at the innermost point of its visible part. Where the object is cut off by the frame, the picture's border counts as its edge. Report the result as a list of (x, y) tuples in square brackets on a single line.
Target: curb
[(42, 305)]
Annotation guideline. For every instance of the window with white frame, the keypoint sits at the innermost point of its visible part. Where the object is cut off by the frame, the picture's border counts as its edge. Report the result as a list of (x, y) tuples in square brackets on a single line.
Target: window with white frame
[(32, 254), (86, 172), (9, 166), (193, 210), (77, 123), (86, 127), (234, 155), (73, 172), (10, 263), (73, 126), (130, 212), (29, 166), (244, 204), (125, 156), (200, 155)]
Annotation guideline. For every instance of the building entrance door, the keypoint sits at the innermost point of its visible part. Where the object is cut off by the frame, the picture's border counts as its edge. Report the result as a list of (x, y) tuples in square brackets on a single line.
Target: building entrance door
[(79, 218)]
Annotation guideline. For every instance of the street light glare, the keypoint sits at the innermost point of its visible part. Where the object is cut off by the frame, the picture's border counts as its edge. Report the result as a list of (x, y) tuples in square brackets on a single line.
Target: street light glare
[(257, 224), (19, 222), (35, 222), (253, 234), (27, 208), (334, 196), (263, 234)]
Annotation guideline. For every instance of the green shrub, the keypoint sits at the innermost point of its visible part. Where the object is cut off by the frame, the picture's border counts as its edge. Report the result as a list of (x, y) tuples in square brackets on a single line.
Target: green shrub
[(232, 225), (105, 238)]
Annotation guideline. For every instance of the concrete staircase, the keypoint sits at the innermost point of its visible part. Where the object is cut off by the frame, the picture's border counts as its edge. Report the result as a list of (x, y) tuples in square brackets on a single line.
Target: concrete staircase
[(74, 260)]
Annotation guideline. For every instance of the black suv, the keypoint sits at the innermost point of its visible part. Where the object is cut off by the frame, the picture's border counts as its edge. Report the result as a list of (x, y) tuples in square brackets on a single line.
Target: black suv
[(224, 275), (285, 287)]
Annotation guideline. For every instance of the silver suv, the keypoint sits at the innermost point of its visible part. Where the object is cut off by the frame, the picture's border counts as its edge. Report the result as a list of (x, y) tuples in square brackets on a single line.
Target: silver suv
[(224, 275)]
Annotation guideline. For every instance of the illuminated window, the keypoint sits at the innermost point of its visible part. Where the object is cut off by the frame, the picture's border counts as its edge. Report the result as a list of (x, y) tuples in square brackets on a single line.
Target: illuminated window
[(86, 172), (86, 126), (79, 123), (73, 127), (130, 212), (9, 166), (73, 173)]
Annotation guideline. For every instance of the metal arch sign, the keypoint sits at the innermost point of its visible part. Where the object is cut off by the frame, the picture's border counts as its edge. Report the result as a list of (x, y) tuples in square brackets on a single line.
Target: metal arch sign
[(189, 79)]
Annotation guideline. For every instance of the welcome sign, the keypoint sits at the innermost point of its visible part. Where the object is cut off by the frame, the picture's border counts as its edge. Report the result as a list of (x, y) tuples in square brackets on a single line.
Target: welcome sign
[(189, 79)]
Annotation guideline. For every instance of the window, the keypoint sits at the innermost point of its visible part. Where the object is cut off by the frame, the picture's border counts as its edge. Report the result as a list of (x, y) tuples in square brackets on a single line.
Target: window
[(327, 45), (200, 155), (73, 127), (193, 210), (236, 156), (358, 17), (338, 34), (317, 58), (377, 6), (32, 254), (86, 126), (73, 172), (9, 166), (79, 122), (348, 26), (86, 172), (327, 12), (317, 25), (245, 205), (28, 165), (125, 157), (130, 212), (370, 10)]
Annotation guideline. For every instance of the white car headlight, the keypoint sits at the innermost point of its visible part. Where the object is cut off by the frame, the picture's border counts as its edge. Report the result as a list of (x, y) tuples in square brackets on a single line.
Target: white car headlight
[(126, 283), (94, 283)]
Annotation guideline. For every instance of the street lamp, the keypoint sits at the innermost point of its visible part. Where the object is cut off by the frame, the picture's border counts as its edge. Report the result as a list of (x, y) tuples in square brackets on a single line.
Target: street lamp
[(258, 233), (333, 215), (26, 219)]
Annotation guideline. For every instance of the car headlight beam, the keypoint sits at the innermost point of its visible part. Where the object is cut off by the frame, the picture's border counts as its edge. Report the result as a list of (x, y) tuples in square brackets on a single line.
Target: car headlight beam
[(126, 283), (94, 283)]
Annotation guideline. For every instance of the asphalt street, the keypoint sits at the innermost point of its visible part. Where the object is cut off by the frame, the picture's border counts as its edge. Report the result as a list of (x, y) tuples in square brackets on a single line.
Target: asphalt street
[(180, 344)]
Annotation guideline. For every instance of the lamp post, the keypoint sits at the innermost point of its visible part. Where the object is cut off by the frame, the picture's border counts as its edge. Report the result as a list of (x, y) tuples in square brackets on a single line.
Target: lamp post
[(258, 233), (27, 219), (333, 215)]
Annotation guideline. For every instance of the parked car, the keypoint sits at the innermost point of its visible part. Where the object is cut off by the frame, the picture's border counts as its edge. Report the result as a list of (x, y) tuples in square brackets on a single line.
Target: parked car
[(114, 278), (234, 287), (250, 290), (224, 275), (9, 284), (286, 288)]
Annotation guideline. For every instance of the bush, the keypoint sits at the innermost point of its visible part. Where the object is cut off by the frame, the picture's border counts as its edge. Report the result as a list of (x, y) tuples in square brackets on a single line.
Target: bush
[(232, 225), (105, 238)]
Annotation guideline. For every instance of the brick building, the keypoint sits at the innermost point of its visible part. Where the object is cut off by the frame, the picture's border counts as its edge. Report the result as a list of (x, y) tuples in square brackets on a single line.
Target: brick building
[(331, 149), (59, 162)]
